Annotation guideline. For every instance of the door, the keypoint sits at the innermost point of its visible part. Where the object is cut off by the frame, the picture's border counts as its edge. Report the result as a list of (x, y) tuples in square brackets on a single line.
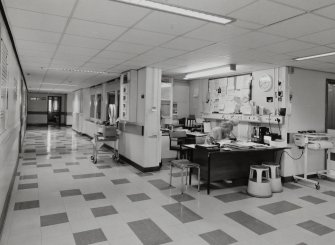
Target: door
[(330, 121), (54, 110)]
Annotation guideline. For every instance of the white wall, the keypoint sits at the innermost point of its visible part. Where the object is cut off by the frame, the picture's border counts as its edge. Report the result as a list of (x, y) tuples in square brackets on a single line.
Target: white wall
[(10, 137), (69, 108), (181, 94)]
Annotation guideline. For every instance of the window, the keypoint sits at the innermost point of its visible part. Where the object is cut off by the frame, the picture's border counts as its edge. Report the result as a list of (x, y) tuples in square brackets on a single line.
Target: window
[(92, 106), (99, 98)]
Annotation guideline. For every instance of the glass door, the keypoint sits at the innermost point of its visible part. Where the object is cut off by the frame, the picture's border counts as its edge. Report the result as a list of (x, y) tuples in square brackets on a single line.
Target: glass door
[(54, 110)]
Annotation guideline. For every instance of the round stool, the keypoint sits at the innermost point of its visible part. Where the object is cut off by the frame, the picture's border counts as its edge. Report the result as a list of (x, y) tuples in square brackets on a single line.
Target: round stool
[(275, 179), (259, 186)]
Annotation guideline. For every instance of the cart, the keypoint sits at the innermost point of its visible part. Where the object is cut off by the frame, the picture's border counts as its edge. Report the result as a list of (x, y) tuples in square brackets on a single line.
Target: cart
[(98, 141)]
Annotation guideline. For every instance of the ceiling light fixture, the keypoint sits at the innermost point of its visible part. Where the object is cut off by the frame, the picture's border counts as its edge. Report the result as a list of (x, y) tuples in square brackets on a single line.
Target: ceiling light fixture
[(211, 72), (60, 84), (76, 70), (314, 56), (178, 10)]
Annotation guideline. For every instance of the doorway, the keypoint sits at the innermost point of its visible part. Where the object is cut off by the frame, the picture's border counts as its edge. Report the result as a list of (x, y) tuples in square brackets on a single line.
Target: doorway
[(330, 119), (113, 98), (54, 110)]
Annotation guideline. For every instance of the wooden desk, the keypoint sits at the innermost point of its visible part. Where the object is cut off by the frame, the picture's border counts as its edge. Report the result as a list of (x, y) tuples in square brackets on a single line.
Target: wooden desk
[(217, 164)]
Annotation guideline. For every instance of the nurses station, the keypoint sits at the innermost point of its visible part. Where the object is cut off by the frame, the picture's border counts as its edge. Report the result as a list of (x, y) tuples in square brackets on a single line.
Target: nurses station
[(167, 122)]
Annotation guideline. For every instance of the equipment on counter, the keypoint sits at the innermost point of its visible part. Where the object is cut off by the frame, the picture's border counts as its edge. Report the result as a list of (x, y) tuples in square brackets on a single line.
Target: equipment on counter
[(259, 133), (314, 141)]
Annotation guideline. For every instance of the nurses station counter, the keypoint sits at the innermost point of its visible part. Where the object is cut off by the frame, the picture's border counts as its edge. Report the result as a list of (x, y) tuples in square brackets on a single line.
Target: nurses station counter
[(218, 164)]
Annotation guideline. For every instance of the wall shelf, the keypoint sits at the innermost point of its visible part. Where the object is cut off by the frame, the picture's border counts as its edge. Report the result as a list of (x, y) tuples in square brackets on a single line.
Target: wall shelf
[(245, 118)]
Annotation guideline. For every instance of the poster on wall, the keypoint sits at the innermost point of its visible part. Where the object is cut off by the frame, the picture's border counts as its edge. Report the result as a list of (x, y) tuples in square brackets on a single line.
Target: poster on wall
[(3, 86)]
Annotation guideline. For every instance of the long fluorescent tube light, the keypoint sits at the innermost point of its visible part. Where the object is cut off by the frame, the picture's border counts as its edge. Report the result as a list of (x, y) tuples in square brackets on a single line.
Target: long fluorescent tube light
[(75, 70), (178, 10), (211, 72), (315, 56)]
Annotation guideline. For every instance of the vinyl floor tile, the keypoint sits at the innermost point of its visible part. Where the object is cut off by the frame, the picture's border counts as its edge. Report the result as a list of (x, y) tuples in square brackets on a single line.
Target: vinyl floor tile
[(89, 237), (54, 219), (217, 237), (315, 227)]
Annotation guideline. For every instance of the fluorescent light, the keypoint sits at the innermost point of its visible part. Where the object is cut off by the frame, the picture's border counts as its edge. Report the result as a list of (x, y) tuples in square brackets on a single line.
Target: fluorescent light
[(58, 84), (315, 56), (178, 10), (211, 72), (75, 70)]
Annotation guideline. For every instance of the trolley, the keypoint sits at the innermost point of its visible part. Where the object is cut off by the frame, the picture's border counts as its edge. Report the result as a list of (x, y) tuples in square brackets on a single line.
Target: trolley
[(110, 134)]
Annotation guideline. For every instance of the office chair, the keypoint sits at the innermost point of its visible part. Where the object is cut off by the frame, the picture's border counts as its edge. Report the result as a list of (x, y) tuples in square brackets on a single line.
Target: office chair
[(177, 139)]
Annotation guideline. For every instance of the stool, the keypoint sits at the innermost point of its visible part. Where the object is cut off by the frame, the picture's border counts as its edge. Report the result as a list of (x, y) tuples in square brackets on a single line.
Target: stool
[(259, 187), (275, 179), (184, 164)]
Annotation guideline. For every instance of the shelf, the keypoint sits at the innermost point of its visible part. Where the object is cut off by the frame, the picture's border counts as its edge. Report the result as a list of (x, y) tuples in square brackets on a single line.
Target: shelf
[(245, 118)]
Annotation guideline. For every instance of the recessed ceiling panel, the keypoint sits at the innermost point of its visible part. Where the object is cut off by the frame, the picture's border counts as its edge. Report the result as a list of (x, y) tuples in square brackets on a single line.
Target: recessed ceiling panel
[(33, 20), (188, 44), (128, 47), (306, 4), (94, 30), (84, 42), (145, 37), (36, 35)]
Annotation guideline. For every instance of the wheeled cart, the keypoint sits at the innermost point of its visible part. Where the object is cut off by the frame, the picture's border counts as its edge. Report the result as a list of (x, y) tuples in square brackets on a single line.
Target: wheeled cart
[(99, 140)]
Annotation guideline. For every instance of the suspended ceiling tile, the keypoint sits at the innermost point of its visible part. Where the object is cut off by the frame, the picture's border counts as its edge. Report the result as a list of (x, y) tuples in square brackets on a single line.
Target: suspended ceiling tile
[(168, 23), (311, 51), (58, 7), (327, 12), (94, 30), (35, 35), (287, 46), (35, 46), (321, 38), (300, 26), (33, 20), (265, 12), (188, 44), (96, 66), (216, 33), (128, 47), (106, 60), (109, 12), (246, 25), (306, 4), (70, 50), (84, 42), (220, 7), (30, 53), (109, 54), (254, 40), (145, 37)]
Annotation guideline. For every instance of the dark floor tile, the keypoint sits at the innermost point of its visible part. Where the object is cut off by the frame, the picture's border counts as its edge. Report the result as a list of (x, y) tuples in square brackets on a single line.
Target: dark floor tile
[(279, 207), (148, 232), (103, 211), (89, 237), (232, 197), (312, 199), (301, 243), (103, 166), (71, 163), (183, 197), (55, 157), (329, 193), (120, 181), (94, 196), (29, 163), (27, 186), (29, 151), (332, 216), (141, 174), (85, 176), (29, 176), (315, 227), (217, 237), (182, 213), (253, 224), (138, 197), (69, 193), (81, 158), (29, 159), (26, 205), (160, 184), (54, 219), (61, 170), (291, 186), (44, 165)]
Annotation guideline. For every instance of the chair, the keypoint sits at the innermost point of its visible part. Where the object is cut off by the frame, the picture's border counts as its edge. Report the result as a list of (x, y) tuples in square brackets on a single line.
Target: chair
[(184, 164), (177, 139), (275, 179)]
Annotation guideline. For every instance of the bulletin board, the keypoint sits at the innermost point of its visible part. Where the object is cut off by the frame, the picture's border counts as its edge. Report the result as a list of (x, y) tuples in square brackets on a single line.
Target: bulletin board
[(228, 94)]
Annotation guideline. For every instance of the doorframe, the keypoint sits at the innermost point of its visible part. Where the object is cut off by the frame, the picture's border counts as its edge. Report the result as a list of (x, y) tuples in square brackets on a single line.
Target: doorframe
[(328, 81), (60, 109)]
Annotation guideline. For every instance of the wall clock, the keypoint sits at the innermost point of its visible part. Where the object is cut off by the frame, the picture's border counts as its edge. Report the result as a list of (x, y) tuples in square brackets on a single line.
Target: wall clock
[(265, 83)]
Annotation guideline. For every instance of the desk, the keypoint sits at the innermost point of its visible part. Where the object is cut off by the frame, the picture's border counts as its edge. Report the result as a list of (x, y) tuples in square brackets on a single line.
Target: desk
[(217, 164), (195, 138)]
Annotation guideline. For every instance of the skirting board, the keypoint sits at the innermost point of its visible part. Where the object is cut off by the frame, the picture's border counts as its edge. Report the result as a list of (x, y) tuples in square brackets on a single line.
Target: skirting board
[(291, 179), (139, 167)]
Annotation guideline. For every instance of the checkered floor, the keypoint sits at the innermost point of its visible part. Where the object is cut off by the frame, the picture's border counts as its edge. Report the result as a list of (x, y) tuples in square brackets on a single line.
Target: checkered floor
[(61, 198)]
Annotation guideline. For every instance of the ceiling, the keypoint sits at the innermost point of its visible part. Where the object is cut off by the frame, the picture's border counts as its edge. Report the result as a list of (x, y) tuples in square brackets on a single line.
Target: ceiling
[(103, 35)]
